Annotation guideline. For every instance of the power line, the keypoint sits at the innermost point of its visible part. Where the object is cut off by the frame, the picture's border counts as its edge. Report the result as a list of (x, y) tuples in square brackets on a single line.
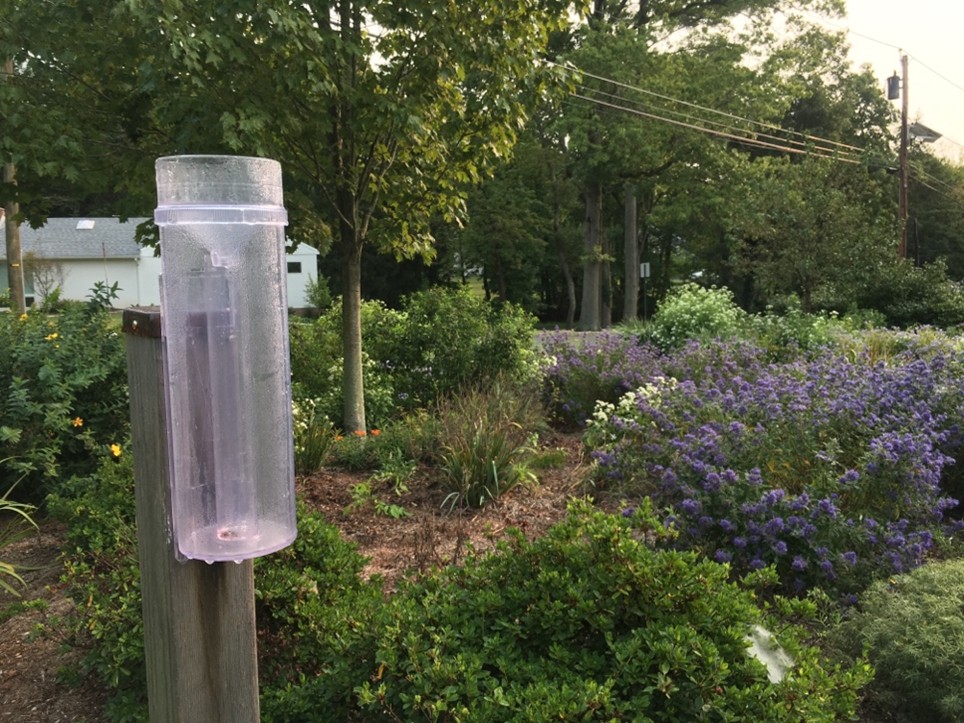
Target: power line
[(732, 116), (803, 145), (945, 188), (709, 131), (935, 72), (729, 132)]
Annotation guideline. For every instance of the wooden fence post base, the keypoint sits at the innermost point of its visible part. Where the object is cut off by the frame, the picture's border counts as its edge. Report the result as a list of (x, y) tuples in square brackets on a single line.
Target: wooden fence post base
[(200, 638)]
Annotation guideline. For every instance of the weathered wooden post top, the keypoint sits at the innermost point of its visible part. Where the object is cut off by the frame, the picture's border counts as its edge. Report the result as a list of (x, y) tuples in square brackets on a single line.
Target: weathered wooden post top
[(224, 307), (210, 405)]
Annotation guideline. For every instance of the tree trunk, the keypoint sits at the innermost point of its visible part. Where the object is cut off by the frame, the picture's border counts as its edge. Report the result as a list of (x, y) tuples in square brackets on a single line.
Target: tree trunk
[(500, 283), (630, 258), (665, 256), (560, 244), (606, 312), (590, 314), (567, 275), (12, 226), (353, 386), (14, 256)]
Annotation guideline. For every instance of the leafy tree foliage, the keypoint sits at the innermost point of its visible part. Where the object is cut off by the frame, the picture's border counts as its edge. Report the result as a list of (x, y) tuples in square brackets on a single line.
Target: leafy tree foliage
[(936, 213), (685, 51), (382, 114), (808, 231)]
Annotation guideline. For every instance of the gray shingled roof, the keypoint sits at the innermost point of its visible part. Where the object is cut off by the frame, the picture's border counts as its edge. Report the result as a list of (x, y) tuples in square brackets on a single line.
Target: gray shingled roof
[(60, 238)]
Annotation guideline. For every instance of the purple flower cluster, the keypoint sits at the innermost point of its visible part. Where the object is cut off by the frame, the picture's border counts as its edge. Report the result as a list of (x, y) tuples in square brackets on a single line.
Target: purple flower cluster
[(828, 468), (585, 368)]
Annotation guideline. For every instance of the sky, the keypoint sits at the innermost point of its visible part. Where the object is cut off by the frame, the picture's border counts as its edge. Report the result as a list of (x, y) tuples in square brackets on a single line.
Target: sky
[(931, 34)]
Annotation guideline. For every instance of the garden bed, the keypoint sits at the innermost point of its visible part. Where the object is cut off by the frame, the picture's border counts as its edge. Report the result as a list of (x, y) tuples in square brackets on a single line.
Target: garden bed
[(423, 538)]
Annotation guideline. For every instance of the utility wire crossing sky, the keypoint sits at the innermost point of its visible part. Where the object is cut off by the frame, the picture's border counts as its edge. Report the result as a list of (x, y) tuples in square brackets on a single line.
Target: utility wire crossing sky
[(929, 33)]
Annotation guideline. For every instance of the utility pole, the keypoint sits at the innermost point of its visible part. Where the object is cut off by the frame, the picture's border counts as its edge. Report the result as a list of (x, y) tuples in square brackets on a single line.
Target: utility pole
[(902, 160), (897, 87), (12, 226)]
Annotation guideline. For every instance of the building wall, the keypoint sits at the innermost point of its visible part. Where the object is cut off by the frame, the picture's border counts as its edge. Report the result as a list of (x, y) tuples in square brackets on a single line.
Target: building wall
[(80, 275), (138, 279), (302, 265), (149, 278)]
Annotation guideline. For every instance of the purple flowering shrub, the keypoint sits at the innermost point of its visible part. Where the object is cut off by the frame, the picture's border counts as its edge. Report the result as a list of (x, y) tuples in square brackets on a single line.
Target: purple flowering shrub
[(585, 368), (825, 468)]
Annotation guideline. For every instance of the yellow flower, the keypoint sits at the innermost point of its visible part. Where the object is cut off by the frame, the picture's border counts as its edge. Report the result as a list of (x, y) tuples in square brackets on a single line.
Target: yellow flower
[(115, 449), (77, 422), (23, 317), (51, 337)]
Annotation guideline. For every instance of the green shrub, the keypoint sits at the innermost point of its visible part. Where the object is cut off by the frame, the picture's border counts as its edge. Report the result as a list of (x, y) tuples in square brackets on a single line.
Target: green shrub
[(317, 361), (103, 579), (317, 622), (792, 330), (485, 438), (908, 295), (912, 628), (440, 340), (452, 337), (317, 293), (693, 312), (64, 398), (587, 623)]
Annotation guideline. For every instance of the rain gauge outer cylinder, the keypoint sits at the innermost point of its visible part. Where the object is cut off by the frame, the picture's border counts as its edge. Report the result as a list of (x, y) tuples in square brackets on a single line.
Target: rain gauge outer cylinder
[(224, 319)]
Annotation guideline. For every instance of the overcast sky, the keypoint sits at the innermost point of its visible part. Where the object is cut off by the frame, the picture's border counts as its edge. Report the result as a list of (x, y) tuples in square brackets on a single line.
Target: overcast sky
[(931, 33)]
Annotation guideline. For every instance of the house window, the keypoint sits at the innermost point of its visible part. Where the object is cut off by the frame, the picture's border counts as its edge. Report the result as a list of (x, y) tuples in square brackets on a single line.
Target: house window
[(294, 267)]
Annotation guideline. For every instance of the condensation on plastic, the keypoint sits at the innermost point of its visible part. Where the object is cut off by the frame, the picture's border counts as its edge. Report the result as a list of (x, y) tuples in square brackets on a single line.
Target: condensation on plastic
[(224, 320)]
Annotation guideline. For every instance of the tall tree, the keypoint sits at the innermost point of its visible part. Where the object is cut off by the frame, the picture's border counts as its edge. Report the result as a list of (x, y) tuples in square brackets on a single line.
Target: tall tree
[(812, 230), (77, 116), (684, 50), (508, 227), (383, 113), (936, 208)]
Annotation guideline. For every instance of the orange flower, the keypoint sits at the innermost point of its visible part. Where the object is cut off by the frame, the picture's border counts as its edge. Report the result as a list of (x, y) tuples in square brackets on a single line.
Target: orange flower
[(376, 432), (77, 422), (338, 438), (360, 433)]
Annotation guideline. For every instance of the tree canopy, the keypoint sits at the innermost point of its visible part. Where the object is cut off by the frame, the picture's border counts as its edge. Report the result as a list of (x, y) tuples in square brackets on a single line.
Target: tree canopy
[(724, 140), (382, 114)]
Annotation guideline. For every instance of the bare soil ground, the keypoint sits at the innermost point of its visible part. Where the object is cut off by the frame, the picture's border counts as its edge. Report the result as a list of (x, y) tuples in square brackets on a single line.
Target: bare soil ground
[(31, 642)]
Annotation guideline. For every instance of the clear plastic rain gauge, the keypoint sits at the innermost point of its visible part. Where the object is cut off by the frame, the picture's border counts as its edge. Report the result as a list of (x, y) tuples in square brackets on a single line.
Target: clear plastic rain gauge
[(224, 320)]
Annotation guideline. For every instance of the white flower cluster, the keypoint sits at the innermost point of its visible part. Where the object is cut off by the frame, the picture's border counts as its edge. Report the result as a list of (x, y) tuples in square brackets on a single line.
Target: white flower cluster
[(605, 414), (303, 414)]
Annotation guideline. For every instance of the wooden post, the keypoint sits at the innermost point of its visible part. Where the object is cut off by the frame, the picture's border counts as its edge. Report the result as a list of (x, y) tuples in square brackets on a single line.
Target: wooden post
[(199, 627), (903, 169)]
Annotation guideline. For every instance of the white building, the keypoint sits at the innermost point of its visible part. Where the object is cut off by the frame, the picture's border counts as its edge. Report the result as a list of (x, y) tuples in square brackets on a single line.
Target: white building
[(75, 253)]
